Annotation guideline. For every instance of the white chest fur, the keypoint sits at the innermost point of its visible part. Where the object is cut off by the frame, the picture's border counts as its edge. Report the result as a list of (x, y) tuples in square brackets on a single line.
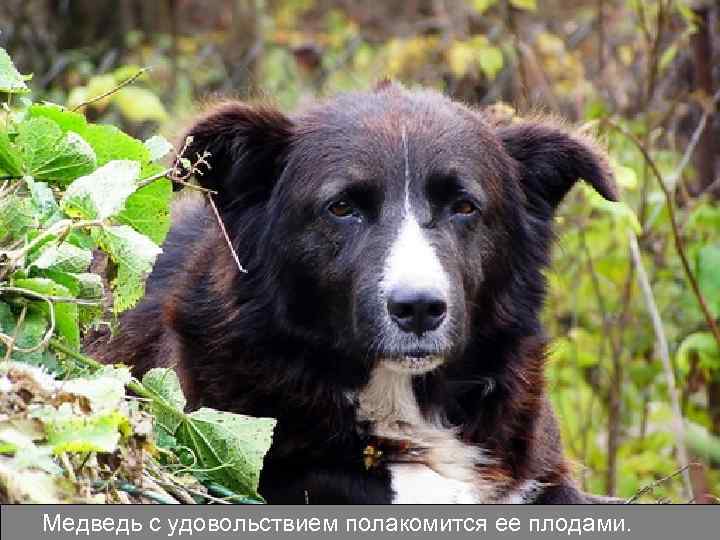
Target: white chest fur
[(448, 472)]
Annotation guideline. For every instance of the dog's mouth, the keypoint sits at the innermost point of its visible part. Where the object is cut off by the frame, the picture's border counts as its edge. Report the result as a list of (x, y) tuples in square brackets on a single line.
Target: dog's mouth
[(415, 362)]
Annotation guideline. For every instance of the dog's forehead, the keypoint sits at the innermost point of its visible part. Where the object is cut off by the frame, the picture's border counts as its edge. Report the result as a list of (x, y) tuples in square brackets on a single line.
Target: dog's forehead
[(382, 139), (373, 135)]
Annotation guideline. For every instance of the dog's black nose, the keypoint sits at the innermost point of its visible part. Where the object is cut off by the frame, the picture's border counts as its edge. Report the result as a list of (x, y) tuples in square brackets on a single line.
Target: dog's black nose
[(416, 310)]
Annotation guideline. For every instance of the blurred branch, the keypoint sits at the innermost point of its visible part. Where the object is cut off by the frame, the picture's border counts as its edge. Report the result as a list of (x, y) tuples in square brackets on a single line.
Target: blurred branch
[(647, 489), (110, 92), (664, 352)]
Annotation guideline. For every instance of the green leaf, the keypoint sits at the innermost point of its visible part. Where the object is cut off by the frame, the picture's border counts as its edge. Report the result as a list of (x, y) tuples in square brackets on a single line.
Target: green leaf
[(28, 335), (11, 81), (705, 217), (703, 443), (10, 159), (103, 193), (708, 276), (230, 446), (99, 433), (66, 313), (703, 345), (49, 154), (168, 409), (17, 217), (491, 61), (84, 285), (66, 120), (73, 158), (134, 255), (148, 210), (111, 144), (108, 142), (64, 257), (44, 202)]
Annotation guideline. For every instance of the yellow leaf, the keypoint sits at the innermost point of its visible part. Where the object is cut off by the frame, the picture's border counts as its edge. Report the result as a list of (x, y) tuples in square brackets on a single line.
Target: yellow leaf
[(460, 57), (139, 105), (99, 85), (482, 5), (529, 5)]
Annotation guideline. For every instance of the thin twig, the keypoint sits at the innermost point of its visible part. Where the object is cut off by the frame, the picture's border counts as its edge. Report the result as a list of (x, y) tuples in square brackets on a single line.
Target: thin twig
[(656, 483), (110, 92), (664, 352), (225, 234), (168, 173), (65, 299)]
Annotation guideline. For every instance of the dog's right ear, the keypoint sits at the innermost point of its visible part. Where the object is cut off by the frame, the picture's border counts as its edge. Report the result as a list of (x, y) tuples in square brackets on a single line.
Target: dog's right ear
[(244, 148)]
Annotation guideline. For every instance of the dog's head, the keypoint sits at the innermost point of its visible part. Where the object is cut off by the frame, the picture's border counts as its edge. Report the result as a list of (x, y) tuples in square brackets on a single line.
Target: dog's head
[(393, 222)]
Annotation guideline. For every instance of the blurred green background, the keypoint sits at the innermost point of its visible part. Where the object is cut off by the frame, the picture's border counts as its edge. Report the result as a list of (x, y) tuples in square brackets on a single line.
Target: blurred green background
[(640, 74)]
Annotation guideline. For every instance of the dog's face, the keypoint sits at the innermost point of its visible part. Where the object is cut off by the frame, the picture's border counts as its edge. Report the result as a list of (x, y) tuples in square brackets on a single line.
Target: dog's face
[(389, 214)]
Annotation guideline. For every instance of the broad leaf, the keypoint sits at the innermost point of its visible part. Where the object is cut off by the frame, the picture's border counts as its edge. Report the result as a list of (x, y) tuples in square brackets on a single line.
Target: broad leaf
[(148, 210), (86, 434), (64, 257), (66, 313), (103, 193), (231, 447), (16, 217), (10, 159), (169, 403), (50, 154), (11, 81), (158, 147), (44, 202), (134, 255)]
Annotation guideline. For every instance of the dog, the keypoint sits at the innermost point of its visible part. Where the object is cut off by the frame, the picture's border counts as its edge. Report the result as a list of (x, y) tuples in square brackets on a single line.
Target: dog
[(393, 244)]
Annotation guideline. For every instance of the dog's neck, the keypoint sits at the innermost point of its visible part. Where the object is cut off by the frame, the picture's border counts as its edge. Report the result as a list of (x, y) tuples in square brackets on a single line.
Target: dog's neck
[(388, 403)]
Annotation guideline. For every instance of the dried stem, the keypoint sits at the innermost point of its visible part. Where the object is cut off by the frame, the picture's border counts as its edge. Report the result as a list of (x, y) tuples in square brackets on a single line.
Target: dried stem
[(664, 352), (647, 489), (225, 234)]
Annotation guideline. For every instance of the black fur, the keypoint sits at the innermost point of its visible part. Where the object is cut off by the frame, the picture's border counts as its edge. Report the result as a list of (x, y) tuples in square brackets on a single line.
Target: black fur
[(298, 333)]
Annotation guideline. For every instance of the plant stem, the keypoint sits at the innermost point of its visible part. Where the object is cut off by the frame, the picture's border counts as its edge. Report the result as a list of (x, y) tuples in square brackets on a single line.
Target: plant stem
[(664, 352)]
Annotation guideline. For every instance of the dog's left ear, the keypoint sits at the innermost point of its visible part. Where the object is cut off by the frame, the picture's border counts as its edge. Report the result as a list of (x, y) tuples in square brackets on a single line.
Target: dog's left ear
[(552, 159)]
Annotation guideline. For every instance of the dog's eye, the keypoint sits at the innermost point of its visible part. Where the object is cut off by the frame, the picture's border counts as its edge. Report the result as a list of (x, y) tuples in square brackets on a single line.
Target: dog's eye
[(463, 207), (341, 209)]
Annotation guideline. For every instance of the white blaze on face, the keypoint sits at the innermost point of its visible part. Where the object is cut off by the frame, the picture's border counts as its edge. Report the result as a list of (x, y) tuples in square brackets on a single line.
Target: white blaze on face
[(412, 261)]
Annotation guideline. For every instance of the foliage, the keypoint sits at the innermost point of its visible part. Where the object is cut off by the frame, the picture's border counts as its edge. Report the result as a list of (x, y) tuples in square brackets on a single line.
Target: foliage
[(69, 432)]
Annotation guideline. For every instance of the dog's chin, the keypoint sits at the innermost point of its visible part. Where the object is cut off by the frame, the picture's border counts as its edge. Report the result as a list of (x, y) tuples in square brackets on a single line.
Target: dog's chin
[(413, 364)]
